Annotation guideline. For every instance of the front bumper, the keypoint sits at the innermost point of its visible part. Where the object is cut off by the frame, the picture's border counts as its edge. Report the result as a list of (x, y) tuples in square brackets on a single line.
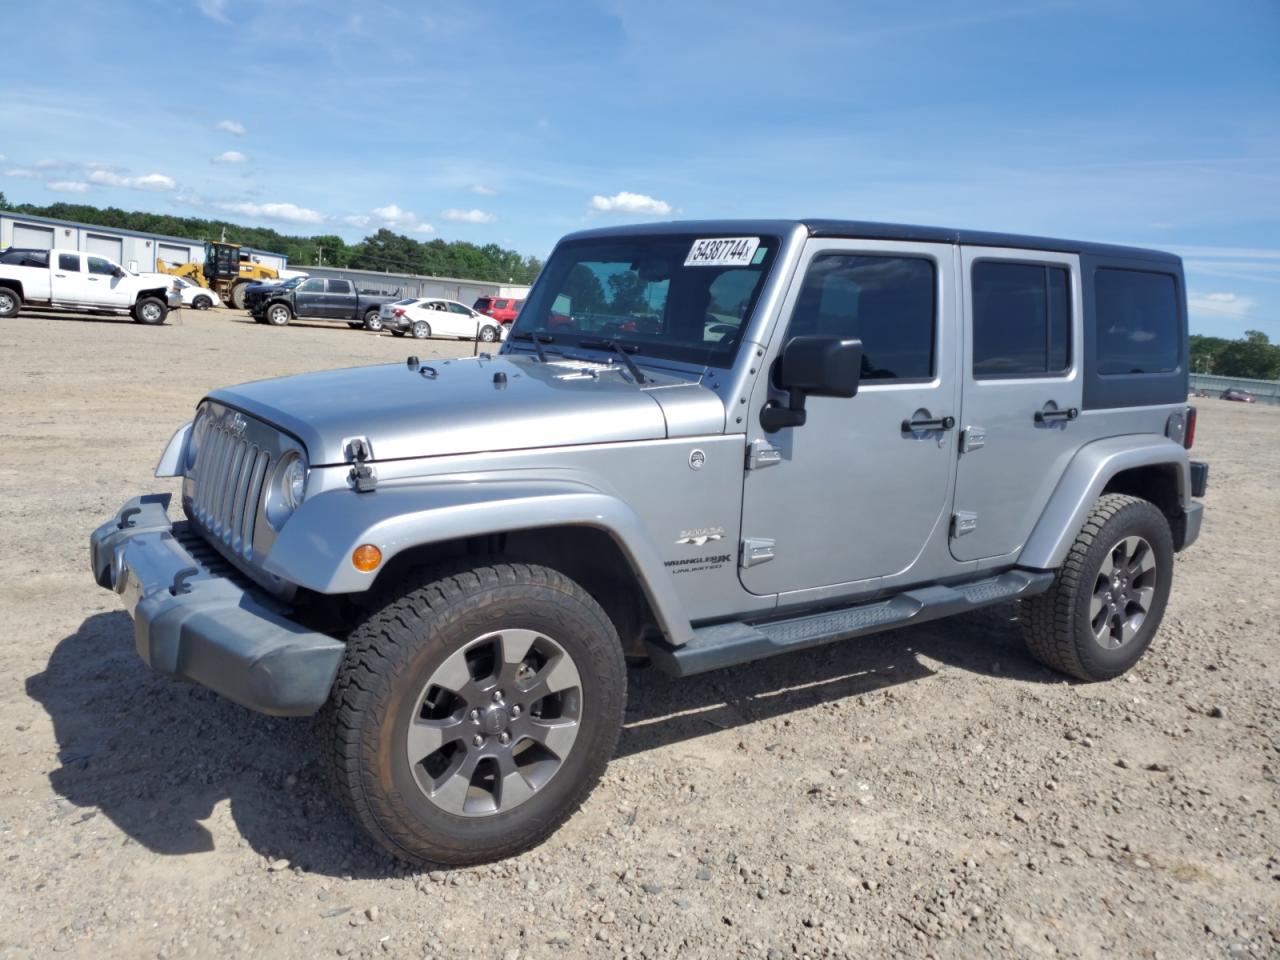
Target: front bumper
[(193, 622)]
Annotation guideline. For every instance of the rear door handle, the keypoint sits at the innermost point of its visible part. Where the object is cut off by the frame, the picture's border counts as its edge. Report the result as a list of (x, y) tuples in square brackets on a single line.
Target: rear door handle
[(1045, 416), (936, 423)]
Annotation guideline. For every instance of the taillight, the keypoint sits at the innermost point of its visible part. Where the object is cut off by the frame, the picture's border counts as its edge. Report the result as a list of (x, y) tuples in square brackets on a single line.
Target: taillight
[(398, 311), (1189, 434)]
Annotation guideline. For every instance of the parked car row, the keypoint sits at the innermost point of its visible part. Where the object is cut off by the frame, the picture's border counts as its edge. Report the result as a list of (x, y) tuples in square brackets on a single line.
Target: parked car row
[(423, 317), (74, 280)]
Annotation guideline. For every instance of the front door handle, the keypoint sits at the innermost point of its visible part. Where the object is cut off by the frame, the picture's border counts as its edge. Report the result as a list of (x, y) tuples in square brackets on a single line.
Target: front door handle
[(1047, 416), (933, 423)]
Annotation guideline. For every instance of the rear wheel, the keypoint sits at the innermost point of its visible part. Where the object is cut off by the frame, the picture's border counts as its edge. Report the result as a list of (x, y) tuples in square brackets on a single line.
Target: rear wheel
[(202, 302), (279, 314), (373, 321), (1109, 596), (10, 302), (151, 311), (475, 711)]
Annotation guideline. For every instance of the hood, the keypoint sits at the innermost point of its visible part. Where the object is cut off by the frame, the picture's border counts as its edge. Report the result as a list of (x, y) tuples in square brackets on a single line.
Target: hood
[(471, 405)]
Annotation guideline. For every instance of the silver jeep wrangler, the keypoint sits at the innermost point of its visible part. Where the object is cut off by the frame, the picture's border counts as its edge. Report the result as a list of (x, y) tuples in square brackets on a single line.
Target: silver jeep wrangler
[(703, 444)]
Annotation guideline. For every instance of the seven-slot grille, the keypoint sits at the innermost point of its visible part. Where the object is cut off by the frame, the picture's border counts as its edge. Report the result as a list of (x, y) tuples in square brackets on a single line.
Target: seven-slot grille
[(230, 472)]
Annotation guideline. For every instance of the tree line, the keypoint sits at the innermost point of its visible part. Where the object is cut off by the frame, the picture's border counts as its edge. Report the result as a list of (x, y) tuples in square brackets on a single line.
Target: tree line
[(384, 250), (1253, 356)]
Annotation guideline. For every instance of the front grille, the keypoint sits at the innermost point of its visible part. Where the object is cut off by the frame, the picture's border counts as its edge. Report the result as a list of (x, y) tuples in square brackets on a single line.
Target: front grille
[(229, 475)]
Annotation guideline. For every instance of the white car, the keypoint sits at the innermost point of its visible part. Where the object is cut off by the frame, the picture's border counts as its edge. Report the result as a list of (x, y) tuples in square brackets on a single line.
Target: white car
[(194, 295), (424, 317)]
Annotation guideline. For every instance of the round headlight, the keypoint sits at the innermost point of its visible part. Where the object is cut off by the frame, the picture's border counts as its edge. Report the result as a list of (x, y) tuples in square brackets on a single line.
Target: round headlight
[(293, 483)]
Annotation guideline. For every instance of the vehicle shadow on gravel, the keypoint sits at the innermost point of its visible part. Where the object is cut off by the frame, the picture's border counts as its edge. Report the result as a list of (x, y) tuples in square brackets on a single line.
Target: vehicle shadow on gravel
[(158, 757)]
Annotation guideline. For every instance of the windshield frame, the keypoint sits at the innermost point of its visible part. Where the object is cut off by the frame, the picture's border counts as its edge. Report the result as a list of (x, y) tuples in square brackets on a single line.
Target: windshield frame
[(642, 347)]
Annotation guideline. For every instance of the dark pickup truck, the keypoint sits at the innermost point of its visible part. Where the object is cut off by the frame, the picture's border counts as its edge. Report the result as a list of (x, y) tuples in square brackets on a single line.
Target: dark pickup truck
[(316, 299)]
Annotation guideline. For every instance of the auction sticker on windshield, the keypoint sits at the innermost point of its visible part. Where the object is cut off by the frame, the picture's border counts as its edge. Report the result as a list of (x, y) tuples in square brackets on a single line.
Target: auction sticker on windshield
[(722, 252)]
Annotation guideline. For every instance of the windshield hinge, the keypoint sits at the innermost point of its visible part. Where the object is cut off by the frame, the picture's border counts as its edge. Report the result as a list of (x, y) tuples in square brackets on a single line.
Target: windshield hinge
[(362, 477), (760, 453)]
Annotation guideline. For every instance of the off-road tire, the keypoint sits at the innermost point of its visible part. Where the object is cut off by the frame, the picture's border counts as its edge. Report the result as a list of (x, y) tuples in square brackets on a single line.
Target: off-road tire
[(10, 302), (278, 314), (150, 311), (415, 626), (239, 293), (1056, 624)]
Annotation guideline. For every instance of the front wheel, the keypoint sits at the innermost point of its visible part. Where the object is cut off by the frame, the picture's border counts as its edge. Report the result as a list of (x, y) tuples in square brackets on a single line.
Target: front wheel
[(475, 711), (373, 321), (278, 314), (488, 334), (421, 330), (1106, 603), (151, 311)]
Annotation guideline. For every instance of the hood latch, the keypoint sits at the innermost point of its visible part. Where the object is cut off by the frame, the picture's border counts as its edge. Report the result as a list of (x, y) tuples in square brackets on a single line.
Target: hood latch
[(362, 476)]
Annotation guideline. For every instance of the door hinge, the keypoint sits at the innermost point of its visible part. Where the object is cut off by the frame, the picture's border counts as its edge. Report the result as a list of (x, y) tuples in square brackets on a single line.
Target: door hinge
[(755, 551), (973, 438), (761, 453), (962, 522)]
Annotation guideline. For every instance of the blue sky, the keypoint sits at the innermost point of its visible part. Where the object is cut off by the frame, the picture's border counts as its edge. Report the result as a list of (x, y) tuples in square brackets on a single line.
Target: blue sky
[(1154, 124)]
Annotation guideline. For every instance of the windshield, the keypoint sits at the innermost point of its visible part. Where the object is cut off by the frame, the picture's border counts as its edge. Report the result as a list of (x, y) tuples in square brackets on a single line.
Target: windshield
[(680, 297)]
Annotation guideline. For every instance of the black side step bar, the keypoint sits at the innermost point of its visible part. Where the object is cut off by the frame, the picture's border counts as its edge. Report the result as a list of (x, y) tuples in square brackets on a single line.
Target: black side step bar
[(727, 644)]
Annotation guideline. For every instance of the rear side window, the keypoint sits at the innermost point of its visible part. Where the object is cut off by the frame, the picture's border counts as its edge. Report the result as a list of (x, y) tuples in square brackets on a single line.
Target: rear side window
[(339, 286), (25, 258), (1137, 321), (1021, 320), (886, 302), (499, 304), (69, 262)]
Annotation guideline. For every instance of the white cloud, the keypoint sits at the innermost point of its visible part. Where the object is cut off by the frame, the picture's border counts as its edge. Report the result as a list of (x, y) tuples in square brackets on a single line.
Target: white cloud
[(68, 186), (358, 220), (468, 216), (213, 9), (483, 191), (395, 218), (23, 173), (49, 164), (231, 156), (3, 158), (150, 181), (1223, 304), (625, 202), (234, 127), (287, 212)]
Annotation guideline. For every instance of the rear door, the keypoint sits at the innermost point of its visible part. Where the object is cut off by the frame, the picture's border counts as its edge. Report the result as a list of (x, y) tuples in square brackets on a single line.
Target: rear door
[(1020, 397), (70, 282), (340, 301)]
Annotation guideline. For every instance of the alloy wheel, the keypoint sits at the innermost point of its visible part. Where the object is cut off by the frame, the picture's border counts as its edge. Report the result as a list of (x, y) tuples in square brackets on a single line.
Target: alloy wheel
[(1123, 592)]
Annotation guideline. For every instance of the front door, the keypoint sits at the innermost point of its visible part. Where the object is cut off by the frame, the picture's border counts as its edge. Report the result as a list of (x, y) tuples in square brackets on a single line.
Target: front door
[(308, 298), (107, 287), (1021, 394), (861, 491)]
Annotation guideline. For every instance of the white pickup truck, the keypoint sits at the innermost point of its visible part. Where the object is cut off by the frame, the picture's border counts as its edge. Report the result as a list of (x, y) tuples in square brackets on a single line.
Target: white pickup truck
[(73, 280)]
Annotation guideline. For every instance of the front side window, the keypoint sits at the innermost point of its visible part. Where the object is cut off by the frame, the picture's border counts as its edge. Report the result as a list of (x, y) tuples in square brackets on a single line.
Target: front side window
[(1138, 328), (679, 297), (887, 302), (1021, 320), (459, 308), (102, 267), (69, 262), (312, 286)]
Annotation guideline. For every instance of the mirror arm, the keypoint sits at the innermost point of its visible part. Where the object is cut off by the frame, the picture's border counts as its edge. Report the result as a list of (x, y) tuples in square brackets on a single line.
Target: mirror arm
[(774, 417)]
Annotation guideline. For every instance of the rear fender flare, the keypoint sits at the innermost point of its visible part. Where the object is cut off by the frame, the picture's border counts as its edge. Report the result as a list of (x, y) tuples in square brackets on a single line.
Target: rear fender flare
[(1083, 482), (314, 548)]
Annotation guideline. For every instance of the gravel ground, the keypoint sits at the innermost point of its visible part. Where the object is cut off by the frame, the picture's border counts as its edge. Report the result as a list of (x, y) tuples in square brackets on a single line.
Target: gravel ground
[(931, 792)]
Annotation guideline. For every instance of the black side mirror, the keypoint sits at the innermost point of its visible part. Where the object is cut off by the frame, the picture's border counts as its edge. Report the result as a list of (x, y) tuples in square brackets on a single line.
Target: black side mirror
[(118, 272), (818, 366)]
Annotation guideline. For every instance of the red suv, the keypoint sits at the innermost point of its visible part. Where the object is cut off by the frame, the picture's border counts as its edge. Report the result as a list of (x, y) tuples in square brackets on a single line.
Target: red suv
[(502, 309)]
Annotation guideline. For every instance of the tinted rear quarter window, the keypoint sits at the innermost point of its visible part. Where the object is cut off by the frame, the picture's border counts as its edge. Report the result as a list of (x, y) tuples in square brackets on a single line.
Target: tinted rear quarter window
[(339, 286), (1137, 321)]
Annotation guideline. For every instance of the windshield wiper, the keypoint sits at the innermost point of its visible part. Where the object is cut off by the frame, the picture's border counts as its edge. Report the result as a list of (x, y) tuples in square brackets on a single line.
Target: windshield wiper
[(620, 350), (538, 340)]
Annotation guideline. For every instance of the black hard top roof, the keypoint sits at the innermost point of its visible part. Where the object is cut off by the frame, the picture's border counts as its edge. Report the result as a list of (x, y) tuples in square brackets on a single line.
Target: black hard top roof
[(870, 230)]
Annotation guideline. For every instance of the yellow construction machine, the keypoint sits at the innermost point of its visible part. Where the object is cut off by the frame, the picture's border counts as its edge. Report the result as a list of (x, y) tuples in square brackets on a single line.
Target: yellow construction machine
[(226, 270)]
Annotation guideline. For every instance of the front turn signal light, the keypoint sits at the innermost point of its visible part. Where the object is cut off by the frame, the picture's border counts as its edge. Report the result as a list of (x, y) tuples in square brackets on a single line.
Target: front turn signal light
[(366, 557)]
